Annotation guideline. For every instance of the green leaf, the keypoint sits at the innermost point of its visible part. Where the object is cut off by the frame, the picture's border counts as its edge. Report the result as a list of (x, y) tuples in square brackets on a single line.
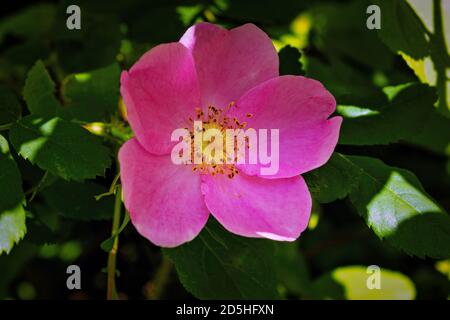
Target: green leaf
[(39, 92), (334, 180), (12, 214), (61, 147), (334, 22), (435, 135), (394, 204), (338, 77), (18, 58), (351, 283), (94, 95), (290, 61), (401, 29), (433, 69), (409, 105), (31, 22), (46, 215), (76, 200), (10, 108), (292, 270), (220, 265)]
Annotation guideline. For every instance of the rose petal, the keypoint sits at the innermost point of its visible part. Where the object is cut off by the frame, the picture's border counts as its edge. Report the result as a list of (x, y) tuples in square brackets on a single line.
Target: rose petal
[(299, 107), (250, 206), (230, 62), (160, 93), (164, 200)]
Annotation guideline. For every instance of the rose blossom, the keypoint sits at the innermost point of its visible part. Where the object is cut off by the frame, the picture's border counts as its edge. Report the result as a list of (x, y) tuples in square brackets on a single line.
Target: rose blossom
[(235, 72)]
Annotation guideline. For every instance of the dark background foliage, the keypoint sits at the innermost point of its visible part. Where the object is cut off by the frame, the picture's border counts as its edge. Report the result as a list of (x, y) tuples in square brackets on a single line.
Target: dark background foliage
[(56, 79)]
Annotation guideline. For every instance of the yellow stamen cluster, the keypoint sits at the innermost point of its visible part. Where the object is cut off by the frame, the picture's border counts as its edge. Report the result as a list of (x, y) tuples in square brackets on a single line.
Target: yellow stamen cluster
[(216, 118)]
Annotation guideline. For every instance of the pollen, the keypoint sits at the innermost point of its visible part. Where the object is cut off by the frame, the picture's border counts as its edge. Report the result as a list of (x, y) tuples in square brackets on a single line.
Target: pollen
[(216, 118)]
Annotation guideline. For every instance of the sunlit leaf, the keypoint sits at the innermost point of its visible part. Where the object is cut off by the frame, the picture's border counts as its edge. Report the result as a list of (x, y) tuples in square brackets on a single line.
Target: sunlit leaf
[(437, 64), (61, 147), (354, 283), (298, 36), (443, 267), (394, 204), (12, 213), (401, 29)]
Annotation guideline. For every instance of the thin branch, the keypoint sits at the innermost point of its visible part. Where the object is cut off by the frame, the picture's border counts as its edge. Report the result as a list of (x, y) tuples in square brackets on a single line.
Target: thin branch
[(111, 293), (37, 188), (6, 126), (112, 189)]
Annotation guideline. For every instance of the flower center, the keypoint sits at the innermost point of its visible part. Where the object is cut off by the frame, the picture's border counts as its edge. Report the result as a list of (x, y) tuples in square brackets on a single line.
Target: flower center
[(210, 160)]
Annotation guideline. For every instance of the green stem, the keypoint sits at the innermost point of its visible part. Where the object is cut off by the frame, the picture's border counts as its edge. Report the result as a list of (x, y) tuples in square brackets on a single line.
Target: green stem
[(5, 126), (440, 56), (118, 134), (111, 286), (112, 189), (37, 188)]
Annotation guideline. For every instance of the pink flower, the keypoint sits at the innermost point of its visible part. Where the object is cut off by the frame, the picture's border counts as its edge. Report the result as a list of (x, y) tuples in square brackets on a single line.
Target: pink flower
[(210, 66)]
